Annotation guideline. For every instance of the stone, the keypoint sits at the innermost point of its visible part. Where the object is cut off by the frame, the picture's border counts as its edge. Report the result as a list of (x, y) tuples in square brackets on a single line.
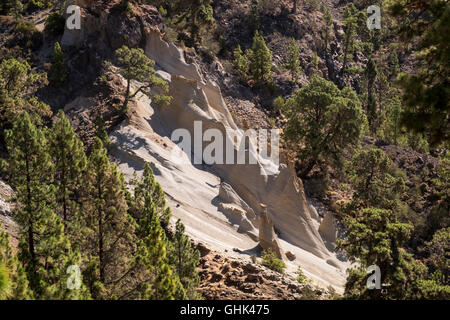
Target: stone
[(203, 249), (267, 237), (290, 256), (250, 268)]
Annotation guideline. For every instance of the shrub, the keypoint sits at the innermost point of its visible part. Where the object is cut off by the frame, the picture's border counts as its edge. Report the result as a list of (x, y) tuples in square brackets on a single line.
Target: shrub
[(58, 71), (278, 104), (55, 24), (27, 36), (38, 4), (270, 260), (301, 278)]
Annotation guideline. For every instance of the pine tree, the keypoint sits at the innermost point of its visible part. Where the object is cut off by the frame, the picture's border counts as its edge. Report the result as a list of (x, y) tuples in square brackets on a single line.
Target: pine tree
[(253, 17), (394, 67), (135, 65), (68, 155), (164, 286), (45, 251), (350, 23), (185, 259), (328, 25), (148, 202), (13, 280), (31, 171), (293, 60), (107, 229), (371, 74), (375, 180), (198, 13), (425, 93), (100, 131), (11, 7), (152, 276), (240, 62), (18, 83), (437, 249), (375, 237), (58, 72), (325, 121), (260, 58)]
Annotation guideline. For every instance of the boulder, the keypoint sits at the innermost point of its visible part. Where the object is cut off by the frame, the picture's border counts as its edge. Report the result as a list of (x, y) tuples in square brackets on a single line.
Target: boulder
[(290, 256)]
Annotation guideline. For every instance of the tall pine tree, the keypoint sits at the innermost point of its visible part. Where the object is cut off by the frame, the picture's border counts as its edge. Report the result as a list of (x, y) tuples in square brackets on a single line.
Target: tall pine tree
[(107, 229), (13, 280), (45, 251), (70, 162), (185, 259)]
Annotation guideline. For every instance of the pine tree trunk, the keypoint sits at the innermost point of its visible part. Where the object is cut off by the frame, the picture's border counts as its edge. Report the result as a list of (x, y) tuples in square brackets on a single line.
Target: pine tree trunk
[(344, 64), (127, 96), (30, 213), (294, 10), (64, 186), (308, 168), (100, 236)]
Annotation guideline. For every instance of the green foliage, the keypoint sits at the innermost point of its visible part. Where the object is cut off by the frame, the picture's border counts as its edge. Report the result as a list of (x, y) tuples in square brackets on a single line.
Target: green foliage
[(328, 27), (38, 4), (121, 257), (13, 281), (260, 60), (270, 260), (315, 61), (58, 71), (107, 229), (426, 93), (155, 278), (27, 36), (148, 202), (323, 122), (125, 6), (185, 259), (350, 24), (279, 104), (45, 251), (394, 67), (374, 237), (371, 73), (256, 63), (135, 65), (4, 282), (439, 217), (253, 17), (301, 278), (375, 180), (11, 7), (55, 23), (293, 60), (68, 155), (240, 62), (162, 11), (437, 249), (100, 131), (391, 126), (197, 13), (18, 83)]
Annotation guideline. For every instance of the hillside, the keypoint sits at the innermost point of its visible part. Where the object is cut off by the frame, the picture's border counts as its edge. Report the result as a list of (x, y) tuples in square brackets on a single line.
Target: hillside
[(357, 180)]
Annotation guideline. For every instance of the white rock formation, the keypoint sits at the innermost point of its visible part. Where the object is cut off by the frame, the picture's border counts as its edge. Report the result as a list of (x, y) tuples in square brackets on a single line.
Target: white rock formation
[(218, 202)]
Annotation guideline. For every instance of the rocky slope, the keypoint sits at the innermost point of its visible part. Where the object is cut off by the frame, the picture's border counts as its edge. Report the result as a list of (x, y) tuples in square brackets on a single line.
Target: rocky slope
[(219, 203)]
